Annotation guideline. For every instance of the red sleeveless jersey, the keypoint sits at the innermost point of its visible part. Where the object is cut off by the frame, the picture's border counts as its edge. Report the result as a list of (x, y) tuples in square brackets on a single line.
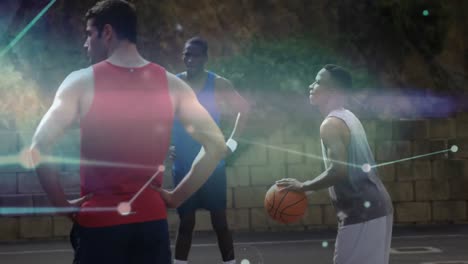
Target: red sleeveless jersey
[(125, 136)]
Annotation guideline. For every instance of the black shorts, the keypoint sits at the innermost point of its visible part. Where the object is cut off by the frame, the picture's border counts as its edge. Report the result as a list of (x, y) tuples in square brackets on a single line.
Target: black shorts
[(146, 242), (211, 196)]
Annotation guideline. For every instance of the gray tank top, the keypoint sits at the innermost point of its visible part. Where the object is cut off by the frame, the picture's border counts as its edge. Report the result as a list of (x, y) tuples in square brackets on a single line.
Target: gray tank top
[(362, 196)]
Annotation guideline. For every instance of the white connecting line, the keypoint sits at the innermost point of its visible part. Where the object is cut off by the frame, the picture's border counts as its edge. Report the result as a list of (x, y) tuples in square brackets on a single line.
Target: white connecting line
[(125, 208)]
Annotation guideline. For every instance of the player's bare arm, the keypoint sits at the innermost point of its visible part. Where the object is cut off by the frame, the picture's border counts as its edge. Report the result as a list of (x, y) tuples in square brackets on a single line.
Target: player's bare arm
[(204, 130), (61, 115), (335, 137), (232, 102)]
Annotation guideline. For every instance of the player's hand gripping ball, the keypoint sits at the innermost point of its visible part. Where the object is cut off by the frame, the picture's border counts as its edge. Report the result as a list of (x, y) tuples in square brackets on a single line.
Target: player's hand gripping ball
[(285, 206)]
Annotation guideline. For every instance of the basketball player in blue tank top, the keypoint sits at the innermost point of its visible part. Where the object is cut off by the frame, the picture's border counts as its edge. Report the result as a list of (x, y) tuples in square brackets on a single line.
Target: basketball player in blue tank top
[(220, 99), (363, 206)]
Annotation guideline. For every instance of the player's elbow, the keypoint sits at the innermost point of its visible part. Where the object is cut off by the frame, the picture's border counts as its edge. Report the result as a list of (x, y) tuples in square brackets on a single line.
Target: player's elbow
[(339, 172), (221, 149), (245, 109), (40, 145), (217, 148)]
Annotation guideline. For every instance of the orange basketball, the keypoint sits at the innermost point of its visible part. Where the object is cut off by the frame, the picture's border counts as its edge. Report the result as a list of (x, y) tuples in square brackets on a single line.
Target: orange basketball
[(285, 206)]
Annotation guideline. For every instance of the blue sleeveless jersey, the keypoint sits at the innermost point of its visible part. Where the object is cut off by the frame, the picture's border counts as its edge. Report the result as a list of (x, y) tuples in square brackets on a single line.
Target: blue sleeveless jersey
[(185, 146)]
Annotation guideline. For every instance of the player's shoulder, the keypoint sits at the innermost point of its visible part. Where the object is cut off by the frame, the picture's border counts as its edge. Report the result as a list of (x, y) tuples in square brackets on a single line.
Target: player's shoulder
[(221, 81), (83, 74), (180, 75), (332, 125), (78, 80), (172, 77), (175, 82), (219, 78)]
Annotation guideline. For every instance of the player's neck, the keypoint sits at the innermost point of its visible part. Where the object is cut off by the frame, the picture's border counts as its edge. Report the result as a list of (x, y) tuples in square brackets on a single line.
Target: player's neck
[(126, 54), (330, 107)]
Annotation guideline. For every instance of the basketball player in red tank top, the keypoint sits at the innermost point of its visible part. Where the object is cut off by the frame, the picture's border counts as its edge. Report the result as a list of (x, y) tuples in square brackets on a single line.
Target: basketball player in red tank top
[(125, 106)]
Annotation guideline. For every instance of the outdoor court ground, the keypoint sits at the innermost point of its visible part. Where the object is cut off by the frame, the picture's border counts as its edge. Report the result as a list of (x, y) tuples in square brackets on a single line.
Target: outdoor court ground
[(415, 245)]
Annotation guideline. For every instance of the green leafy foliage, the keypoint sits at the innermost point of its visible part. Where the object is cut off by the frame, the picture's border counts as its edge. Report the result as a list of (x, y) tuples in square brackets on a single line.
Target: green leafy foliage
[(283, 66), (19, 98)]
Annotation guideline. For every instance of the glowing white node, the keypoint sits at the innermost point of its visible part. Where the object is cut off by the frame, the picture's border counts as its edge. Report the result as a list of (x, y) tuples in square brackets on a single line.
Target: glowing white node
[(124, 208), (161, 168), (190, 129), (341, 215), (245, 261), (367, 204), (454, 148), (366, 167), (179, 27), (324, 244), (30, 158)]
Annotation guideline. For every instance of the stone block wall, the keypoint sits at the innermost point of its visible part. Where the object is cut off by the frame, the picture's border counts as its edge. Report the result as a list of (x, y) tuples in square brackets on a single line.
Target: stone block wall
[(429, 189)]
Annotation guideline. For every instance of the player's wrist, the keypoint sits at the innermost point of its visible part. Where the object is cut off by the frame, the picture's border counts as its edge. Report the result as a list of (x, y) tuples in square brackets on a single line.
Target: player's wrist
[(303, 187), (176, 198)]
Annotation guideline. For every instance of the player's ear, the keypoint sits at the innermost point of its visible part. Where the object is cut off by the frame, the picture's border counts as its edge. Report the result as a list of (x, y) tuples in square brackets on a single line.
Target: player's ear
[(107, 32)]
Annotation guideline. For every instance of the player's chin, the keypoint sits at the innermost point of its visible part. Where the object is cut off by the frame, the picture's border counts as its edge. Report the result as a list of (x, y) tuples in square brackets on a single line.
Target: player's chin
[(312, 100), (93, 59), (192, 70)]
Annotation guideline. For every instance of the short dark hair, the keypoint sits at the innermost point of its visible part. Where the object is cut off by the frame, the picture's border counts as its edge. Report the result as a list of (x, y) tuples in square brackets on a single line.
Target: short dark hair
[(120, 14), (200, 42), (341, 76)]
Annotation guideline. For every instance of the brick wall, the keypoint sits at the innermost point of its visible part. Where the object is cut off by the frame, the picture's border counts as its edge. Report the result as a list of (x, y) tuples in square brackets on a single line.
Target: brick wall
[(432, 189)]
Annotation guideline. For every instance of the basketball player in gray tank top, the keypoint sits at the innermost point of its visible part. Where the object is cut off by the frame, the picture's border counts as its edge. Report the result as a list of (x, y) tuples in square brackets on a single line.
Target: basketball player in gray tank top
[(363, 205)]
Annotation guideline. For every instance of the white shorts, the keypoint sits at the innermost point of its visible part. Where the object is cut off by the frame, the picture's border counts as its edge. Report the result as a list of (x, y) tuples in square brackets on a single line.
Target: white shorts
[(364, 243)]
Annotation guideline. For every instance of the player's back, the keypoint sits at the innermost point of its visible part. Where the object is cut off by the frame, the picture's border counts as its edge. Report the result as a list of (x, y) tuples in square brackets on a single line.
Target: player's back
[(125, 136)]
